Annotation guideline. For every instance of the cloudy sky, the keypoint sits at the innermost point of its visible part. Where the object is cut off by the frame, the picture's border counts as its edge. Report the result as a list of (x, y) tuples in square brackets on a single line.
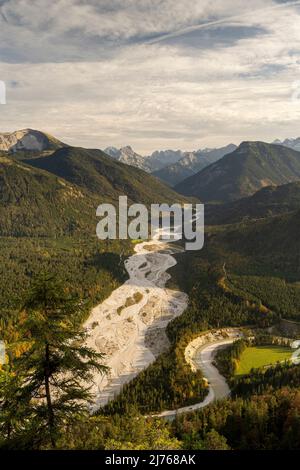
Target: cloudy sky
[(154, 74)]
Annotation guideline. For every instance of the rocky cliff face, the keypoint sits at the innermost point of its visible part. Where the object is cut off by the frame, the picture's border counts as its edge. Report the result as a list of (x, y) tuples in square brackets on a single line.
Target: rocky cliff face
[(161, 158), (191, 163), (129, 156), (28, 139), (171, 166)]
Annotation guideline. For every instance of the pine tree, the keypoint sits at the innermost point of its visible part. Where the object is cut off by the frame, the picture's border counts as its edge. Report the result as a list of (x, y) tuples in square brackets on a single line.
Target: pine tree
[(53, 372)]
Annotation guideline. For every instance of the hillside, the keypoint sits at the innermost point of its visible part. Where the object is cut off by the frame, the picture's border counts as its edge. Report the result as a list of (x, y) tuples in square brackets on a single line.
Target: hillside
[(273, 239), (268, 201), (28, 140), (106, 178), (36, 203), (191, 163), (57, 194), (252, 166)]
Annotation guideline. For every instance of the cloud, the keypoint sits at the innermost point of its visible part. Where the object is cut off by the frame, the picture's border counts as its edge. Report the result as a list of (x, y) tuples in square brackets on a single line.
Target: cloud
[(86, 71), (72, 30), (229, 20)]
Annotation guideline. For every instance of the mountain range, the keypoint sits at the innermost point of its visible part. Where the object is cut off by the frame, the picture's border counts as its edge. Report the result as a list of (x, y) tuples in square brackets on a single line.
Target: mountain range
[(150, 163), (191, 163), (290, 143), (174, 166), (226, 174), (252, 166), (57, 192), (170, 166)]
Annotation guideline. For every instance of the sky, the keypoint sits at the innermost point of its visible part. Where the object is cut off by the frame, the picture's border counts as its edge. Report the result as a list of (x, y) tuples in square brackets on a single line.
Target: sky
[(153, 74)]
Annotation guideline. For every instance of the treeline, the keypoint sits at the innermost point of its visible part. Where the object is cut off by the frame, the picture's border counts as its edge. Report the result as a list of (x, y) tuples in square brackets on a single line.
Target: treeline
[(264, 422), (227, 359), (267, 380), (127, 432)]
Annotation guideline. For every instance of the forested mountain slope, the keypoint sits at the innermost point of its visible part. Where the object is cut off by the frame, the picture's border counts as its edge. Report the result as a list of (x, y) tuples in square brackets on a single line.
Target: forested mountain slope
[(97, 173), (269, 201), (252, 166)]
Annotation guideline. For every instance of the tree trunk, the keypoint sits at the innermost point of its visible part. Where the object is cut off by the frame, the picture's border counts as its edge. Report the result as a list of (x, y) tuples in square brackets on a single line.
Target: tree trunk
[(9, 426), (48, 395)]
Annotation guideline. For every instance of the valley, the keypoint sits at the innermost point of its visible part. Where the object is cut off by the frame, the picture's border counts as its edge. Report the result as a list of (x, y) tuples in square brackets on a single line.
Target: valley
[(122, 330), (165, 322), (149, 232)]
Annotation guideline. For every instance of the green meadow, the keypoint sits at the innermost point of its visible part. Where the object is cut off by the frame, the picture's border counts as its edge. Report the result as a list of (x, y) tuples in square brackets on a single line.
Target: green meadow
[(260, 356)]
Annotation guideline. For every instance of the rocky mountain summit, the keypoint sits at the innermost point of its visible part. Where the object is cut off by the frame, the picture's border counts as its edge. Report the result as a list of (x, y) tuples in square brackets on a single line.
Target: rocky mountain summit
[(28, 140)]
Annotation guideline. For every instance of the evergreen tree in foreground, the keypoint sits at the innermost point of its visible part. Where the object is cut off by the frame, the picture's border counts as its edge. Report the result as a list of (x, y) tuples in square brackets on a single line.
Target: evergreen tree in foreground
[(47, 384)]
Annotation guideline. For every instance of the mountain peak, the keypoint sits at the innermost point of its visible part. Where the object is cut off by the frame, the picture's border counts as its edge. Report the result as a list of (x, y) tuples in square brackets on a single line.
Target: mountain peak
[(251, 143), (28, 140), (292, 143), (191, 163), (127, 148), (127, 155), (243, 172)]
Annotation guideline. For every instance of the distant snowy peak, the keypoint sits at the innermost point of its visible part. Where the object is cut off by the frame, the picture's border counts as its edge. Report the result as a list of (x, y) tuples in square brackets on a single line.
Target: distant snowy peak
[(112, 152), (191, 163), (161, 159), (129, 156), (149, 163), (216, 153), (188, 159), (290, 143)]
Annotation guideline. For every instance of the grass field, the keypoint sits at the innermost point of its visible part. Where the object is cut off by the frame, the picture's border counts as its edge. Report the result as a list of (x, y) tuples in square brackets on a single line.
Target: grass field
[(259, 356)]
